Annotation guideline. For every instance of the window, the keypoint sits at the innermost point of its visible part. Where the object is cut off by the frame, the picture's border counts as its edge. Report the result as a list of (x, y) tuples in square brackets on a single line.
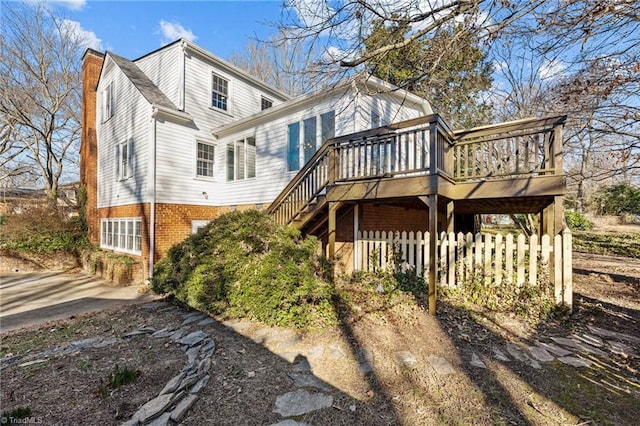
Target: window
[(197, 225), (293, 147), (204, 159), (122, 234), (299, 153), (309, 129), (328, 125), (266, 103), (219, 92), (106, 103), (241, 159), (375, 120), (124, 160)]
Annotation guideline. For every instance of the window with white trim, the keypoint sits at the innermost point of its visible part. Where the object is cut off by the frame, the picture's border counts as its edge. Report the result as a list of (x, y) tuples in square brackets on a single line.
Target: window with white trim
[(241, 159), (219, 92), (304, 140), (106, 102), (197, 225), (124, 160), (122, 234), (205, 157)]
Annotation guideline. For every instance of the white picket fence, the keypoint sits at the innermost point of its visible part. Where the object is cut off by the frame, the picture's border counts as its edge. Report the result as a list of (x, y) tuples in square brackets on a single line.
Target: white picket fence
[(496, 259)]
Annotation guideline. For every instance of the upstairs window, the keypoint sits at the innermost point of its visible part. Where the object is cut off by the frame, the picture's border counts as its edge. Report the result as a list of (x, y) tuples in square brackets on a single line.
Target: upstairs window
[(124, 160), (241, 159), (106, 102), (219, 92), (266, 103), (205, 159)]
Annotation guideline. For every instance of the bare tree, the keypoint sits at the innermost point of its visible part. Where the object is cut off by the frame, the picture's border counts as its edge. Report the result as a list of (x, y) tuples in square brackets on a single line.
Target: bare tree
[(40, 90), (279, 62)]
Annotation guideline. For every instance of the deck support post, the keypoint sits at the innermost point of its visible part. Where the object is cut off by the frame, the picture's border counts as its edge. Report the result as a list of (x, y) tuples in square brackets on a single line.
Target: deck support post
[(331, 232), (432, 203), (449, 218)]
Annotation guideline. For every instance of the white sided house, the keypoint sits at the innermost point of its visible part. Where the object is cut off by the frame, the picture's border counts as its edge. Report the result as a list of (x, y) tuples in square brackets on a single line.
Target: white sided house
[(175, 138)]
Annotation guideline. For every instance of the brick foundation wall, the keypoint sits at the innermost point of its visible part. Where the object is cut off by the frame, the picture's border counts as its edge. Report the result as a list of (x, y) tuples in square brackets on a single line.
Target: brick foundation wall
[(173, 224), (392, 218), (371, 218)]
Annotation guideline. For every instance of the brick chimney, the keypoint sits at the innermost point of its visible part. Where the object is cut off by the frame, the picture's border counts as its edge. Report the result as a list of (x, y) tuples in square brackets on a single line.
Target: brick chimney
[(91, 66)]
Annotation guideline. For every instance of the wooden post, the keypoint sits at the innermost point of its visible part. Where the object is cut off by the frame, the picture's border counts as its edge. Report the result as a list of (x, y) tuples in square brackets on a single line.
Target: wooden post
[(449, 218), (567, 277), (432, 202), (331, 240)]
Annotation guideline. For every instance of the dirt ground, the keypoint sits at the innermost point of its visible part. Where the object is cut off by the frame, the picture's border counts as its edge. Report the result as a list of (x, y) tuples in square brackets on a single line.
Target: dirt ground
[(248, 373)]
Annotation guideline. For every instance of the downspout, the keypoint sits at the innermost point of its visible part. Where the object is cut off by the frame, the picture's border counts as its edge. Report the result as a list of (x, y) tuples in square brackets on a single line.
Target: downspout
[(152, 203), (183, 71), (356, 228)]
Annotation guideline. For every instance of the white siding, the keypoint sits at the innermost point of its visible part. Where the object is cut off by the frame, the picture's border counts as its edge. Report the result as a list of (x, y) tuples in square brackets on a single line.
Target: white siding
[(130, 120), (390, 107), (176, 180), (164, 68), (271, 143), (271, 146), (244, 96)]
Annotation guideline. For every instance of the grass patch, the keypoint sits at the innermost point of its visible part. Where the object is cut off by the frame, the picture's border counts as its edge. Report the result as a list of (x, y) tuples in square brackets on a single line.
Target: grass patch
[(119, 377), (42, 339), (619, 244)]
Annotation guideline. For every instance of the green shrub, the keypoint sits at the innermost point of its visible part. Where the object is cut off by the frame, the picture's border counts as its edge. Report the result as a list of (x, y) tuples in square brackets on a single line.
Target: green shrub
[(576, 221), (42, 230), (244, 265)]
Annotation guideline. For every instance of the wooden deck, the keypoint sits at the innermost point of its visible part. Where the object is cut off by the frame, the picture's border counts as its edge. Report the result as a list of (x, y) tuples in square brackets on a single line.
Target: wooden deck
[(512, 167)]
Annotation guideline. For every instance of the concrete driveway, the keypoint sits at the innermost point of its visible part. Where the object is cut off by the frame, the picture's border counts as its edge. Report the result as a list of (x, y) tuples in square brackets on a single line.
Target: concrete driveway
[(34, 298)]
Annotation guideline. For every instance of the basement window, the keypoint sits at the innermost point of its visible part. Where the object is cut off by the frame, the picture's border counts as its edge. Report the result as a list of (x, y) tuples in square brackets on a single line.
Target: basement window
[(122, 234)]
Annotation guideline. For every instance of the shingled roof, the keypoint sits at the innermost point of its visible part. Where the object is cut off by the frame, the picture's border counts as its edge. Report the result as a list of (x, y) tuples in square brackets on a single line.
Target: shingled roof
[(145, 86)]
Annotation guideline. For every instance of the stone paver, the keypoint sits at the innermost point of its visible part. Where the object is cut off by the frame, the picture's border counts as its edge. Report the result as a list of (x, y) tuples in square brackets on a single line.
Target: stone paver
[(406, 358), (301, 402), (476, 361), (441, 365)]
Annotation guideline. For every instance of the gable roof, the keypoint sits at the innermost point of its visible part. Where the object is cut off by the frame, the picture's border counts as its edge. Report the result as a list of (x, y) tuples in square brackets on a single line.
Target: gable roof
[(370, 82), (224, 65), (145, 86)]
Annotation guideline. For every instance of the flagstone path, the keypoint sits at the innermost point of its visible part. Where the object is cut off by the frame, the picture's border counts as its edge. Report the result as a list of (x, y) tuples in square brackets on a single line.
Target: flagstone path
[(181, 392)]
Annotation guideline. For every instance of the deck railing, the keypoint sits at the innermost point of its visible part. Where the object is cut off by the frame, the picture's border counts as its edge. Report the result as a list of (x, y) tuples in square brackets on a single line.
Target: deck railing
[(531, 147), (401, 149)]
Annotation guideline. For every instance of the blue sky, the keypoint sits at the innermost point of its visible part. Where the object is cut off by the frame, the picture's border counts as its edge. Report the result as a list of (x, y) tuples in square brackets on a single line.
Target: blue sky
[(134, 28)]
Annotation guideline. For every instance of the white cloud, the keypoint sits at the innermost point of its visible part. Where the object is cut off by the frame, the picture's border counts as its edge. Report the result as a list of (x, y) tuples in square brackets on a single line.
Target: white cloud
[(173, 30), (71, 4), (551, 69), (87, 38)]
